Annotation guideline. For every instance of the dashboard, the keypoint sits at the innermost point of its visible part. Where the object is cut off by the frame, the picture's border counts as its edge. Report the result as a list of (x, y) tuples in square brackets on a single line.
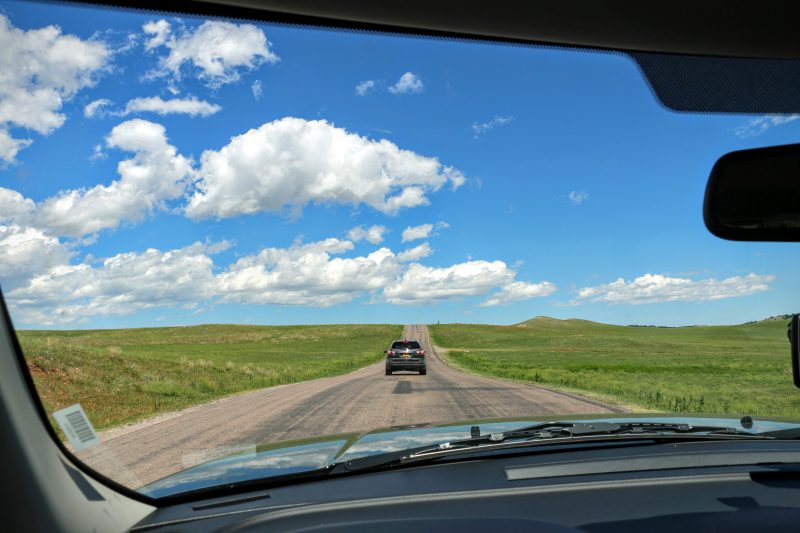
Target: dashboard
[(730, 486)]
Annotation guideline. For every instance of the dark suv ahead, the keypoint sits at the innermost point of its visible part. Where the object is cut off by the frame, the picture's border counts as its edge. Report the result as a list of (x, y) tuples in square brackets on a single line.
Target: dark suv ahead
[(405, 355)]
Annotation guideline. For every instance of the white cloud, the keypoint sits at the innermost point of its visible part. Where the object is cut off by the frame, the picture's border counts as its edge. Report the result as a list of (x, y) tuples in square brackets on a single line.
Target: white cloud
[(258, 90), (123, 284), (95, 108), (412, 233), (44, 288), (757, 126), (307, 275), (291, 162), (408, 83), (520, 290), (187, 106), (154, 174), (365, 87), (216, 52), (421, 284), (480, 128), (9, 146), (655, 288), (40, 69), (373, 234), (578, 197), (97, 153), (26, 252), (153, 104), (159, 30), (14, 206), (416, 253)]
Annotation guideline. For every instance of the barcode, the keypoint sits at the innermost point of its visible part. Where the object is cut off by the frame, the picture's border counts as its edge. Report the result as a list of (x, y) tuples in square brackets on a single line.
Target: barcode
[(77, 427), (80, 426)]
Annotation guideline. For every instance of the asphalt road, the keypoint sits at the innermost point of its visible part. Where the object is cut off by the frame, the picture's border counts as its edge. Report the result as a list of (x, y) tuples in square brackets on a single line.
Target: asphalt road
[(362, 400)]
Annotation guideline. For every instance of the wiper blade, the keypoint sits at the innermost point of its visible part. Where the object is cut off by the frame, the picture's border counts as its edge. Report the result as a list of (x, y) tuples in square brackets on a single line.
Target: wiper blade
[(581, 429), (548, 433)]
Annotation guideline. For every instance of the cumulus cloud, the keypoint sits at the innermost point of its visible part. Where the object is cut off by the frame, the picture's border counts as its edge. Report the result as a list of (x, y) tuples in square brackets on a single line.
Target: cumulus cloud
[(44, 288), (96, 108), (158, 30), (578, 197), (373, 234), (656, 288), (421, 284), (154, 104), (40, 69), (26, 252), (307, 275), (479, 129), (365, 87), (14, 206), (520, 290), (186, 106), (757, 126), (291, 162), (412, 233), (156, 173), (416, 253), (123, 284), (409, 83), (215, 52)]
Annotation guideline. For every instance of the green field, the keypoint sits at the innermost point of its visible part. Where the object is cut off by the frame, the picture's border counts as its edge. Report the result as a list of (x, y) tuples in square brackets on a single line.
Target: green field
[(120, 376), (742, 369)]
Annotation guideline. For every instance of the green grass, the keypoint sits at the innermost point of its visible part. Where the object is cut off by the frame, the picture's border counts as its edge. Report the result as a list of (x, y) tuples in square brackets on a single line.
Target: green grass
[(742, 369), (124, 375)]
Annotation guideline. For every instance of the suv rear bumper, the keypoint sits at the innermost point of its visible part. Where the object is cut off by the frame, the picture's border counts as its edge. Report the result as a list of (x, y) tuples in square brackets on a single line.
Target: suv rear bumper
[(405, 363)]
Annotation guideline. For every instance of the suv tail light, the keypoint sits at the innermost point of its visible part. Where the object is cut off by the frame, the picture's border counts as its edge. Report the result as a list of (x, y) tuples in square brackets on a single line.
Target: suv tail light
[(422, 353)]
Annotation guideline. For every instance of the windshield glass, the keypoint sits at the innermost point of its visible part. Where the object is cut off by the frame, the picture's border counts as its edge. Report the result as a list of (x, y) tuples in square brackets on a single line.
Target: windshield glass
[(406, 345), (211, 230)]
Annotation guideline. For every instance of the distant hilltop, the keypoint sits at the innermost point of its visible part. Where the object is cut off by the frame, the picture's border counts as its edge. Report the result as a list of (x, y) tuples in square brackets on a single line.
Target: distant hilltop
[(546, 321), (550, 322), (776, 317)]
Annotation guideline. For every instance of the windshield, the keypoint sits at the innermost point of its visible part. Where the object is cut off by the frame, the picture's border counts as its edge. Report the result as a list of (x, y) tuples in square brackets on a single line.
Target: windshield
[(405, 345), (211, 230)]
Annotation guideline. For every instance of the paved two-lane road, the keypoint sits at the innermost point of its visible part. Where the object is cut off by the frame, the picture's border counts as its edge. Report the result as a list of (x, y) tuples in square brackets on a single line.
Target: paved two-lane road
[(362, 400)]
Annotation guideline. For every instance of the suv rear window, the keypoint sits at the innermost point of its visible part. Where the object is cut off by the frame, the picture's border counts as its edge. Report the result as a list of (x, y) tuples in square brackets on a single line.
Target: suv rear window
[(405, 345)]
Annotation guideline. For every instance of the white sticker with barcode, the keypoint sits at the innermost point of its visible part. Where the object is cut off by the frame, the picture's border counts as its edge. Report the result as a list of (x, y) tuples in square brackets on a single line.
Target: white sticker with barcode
[(76, 426)]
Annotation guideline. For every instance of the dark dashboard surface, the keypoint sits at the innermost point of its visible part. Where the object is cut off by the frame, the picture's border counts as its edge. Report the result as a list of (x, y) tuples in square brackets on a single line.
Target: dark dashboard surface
[(658, 487)]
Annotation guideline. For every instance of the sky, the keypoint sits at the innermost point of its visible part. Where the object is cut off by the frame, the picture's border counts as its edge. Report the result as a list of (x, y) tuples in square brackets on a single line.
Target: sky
[(161, 170)]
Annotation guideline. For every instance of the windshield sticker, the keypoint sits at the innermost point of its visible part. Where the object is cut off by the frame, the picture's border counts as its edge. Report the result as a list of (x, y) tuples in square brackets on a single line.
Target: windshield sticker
[(76, 426)]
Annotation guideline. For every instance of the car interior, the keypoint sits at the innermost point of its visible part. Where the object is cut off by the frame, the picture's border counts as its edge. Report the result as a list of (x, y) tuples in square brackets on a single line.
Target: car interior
[(709, 57)]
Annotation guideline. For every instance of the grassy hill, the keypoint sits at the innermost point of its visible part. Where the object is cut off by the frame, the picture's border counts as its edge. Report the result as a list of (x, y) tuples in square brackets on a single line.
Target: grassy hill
[(742, 369), (162, 369)]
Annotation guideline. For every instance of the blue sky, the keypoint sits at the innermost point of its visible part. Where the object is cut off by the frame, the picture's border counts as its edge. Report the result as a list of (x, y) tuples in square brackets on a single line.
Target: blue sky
[(553, 182)]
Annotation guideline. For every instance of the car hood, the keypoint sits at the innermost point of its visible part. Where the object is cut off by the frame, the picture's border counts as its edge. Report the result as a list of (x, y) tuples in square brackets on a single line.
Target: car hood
[(291, 457)]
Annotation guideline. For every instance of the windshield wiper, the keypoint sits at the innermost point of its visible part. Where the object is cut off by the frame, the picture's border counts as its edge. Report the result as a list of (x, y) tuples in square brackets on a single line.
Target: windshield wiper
[(549, 433), (549, 430)]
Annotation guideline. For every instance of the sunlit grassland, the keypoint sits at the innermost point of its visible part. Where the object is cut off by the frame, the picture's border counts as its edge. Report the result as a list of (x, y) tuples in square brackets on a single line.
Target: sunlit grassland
[(742, 369), (124, 375)]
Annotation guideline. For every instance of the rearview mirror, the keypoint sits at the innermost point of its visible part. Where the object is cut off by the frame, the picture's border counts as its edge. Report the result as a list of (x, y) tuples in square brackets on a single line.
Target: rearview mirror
[(794, 340), (754, 195)]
